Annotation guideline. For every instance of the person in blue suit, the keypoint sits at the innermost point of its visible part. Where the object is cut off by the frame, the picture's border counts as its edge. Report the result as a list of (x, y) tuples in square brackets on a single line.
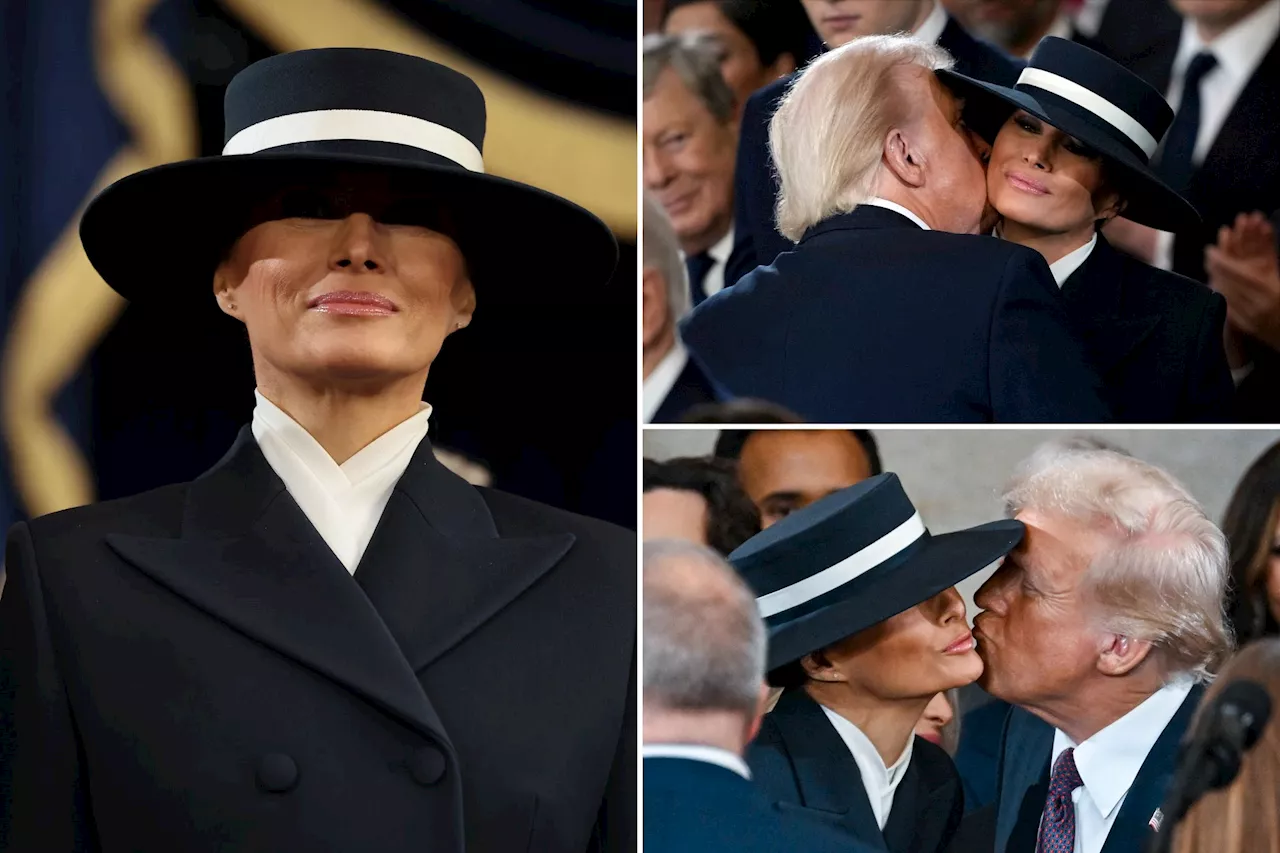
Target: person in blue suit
[(704, 692), (1101, 627), (891, 309), (756, 182)]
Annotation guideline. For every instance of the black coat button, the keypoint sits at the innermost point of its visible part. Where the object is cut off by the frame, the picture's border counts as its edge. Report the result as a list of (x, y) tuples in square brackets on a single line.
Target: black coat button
[(426, 765), (277, 773)]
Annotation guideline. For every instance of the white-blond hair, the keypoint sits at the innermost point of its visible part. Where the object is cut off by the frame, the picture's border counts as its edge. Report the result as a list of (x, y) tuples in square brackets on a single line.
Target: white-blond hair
[(1165, 580), (827, 136), (661, 252)]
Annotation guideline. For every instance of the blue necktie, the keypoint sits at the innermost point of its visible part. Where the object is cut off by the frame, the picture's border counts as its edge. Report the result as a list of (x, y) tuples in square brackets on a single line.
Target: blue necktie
[(1180, 143), (698, 266), (1058, 823)]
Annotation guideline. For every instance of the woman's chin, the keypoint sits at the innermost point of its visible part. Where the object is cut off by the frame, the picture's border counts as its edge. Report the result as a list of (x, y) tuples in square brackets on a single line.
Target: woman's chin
[(963, 669)]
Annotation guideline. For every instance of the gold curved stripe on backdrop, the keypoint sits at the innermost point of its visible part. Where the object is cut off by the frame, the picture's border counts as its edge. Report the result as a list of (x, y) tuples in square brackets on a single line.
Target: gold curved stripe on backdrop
[(66, 307), (583, 155)]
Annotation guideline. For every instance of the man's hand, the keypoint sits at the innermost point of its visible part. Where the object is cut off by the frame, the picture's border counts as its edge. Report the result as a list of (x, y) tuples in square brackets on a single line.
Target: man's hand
[(1245, 269)]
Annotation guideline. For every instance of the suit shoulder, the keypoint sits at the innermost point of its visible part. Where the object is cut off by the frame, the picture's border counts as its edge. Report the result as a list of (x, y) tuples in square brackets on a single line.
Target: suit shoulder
[(935, 764), (152, 512), (1163, 287), (765, 99), (517, 516)]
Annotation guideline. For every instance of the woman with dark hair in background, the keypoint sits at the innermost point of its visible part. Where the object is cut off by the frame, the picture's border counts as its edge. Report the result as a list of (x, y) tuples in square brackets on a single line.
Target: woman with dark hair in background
[(1250, 526), (761, 40)]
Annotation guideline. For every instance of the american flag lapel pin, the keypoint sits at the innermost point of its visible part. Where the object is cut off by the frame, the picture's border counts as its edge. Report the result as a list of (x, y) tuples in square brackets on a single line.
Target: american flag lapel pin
[(1155, 821)]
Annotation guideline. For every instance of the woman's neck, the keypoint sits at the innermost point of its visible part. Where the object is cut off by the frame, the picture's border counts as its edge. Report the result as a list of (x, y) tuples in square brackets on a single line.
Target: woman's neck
[(343, 420), (888, 724), (1053, 245)]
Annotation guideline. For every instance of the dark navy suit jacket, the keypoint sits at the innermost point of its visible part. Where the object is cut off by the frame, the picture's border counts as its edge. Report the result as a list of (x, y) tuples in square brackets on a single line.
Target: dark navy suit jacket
[(803, 766), (872, 319), (755, 182), (1154, 337), (696, 807), (692, 388), (1024, 783)]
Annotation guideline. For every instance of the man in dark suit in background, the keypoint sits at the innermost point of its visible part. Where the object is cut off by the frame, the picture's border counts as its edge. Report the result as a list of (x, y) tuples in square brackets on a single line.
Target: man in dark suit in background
[(838, 22), (672, 383), (1101, 627), (703, 702), (879, 315)]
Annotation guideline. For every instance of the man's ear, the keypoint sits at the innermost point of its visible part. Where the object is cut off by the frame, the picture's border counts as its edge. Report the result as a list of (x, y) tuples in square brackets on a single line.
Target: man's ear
[(903, 158), (224, 290), (1119, 654)]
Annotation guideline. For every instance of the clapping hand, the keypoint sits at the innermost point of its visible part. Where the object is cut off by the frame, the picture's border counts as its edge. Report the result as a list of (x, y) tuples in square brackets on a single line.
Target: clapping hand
[(1245, 269)]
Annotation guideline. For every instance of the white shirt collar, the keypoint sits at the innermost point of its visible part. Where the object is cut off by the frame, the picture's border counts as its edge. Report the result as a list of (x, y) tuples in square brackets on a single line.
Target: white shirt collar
[(343, 502), (1064, 266), (931, 29), (722, 248), (896, 208), (1109, 761), (1239, 50), (697, 752), (880, 782), (658, 384)]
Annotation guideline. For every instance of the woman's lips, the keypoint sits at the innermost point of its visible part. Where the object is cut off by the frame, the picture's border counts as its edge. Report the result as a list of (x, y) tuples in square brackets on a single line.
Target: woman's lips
[(961, 645), (932, 736), (353, 303), (840, 23), (1027, 185)]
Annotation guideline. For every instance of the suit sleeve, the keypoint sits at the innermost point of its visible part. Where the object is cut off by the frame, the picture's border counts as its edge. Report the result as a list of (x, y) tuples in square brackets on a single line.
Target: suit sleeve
[(616, 824), (1039, 373), (1210, 395), (43, 796), (755, 187)]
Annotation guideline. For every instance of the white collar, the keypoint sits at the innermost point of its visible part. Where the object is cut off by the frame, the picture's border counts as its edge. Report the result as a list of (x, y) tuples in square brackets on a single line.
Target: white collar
[(1064, 266), (1240, 49), (896, 208), (722, 248), (931, 29), (879, 781), (698, 752), (658, 384), (1109, 761)]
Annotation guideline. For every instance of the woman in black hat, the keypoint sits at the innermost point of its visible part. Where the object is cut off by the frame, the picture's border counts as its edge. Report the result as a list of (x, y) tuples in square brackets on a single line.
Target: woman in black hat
[(328, 641), (1073, 151), (865, 629)]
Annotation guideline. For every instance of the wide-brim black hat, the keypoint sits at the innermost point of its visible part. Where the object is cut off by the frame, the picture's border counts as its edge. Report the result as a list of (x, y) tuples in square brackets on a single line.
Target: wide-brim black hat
[(1099, 102), (854, 559), (300, 119)]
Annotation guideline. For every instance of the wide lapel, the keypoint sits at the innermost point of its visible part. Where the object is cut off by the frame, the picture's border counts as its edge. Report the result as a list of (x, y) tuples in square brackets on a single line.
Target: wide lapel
[(249, 557), (1094, 296), (1024, 781), (1133, 828), (826, 773), (437, 568)]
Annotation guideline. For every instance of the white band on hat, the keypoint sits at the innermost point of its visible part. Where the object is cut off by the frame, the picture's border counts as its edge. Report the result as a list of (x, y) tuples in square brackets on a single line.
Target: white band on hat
[(1094, 103), (857, 563), (368, 125)]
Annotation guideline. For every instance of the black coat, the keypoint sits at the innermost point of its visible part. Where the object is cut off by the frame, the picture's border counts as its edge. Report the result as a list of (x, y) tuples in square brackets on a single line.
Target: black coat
[(695, 807), (192, 669), (874, 320), (1241, 171), (802, 765), (1154, 337), (1024, 783), (755, 183), (692, 389)]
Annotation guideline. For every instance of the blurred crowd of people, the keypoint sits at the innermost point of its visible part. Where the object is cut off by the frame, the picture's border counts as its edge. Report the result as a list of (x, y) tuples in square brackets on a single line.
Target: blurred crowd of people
[(811, 681), (1025, 211)]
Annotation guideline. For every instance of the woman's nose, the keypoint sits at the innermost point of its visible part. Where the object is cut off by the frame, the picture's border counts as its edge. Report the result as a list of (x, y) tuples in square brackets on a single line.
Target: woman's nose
[(951, 605), (356, 245), (1036, 157)]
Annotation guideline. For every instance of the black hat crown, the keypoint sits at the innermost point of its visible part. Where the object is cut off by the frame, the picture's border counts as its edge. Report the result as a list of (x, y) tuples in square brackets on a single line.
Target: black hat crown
[(356, 101)]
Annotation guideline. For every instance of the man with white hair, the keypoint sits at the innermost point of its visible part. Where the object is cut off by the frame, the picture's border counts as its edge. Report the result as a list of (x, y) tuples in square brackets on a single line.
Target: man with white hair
[(704, 695), (836, 23), (672, 383), (891, 309), (1101, 627)]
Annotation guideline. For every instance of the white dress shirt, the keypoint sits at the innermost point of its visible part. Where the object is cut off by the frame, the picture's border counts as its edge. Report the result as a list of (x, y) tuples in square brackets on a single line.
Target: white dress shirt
[(658, 384), (1109, 761), (931, 29), (897, 208), (343, 502), (714, 282), (880, 782), (1239, 51), (697, 752), (1064, 266)]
